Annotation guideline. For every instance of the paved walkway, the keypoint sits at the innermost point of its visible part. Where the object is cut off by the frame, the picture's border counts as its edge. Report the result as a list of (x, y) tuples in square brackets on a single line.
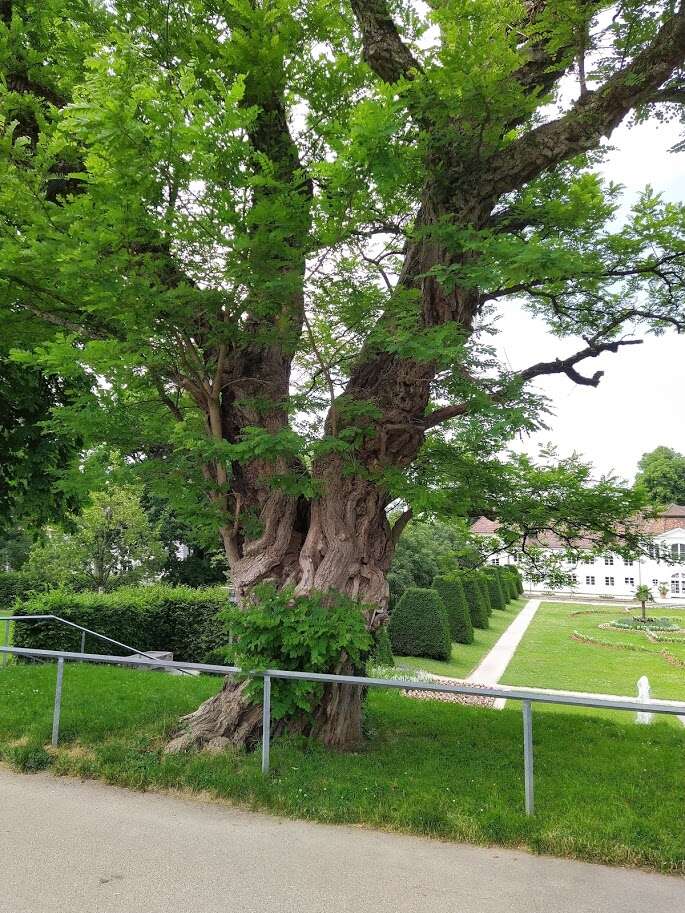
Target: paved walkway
[(493, 667), (73, 847)]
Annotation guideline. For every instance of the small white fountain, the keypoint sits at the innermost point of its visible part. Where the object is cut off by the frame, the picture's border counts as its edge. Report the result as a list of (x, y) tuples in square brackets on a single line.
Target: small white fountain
[(643, 693)]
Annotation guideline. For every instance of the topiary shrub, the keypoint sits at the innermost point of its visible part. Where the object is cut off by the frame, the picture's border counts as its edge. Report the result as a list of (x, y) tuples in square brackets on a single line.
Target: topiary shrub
[(508, 582), (381, 652), (451, 591), (157, 617), (482, 579), (473, 591), (498, 599), (419, 625)]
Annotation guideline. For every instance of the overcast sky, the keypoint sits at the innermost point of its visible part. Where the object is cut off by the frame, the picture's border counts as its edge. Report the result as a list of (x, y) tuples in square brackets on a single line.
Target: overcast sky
[(639, 403)]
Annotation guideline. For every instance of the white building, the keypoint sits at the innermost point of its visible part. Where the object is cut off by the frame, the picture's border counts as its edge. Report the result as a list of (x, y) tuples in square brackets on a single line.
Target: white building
[(611, 576)]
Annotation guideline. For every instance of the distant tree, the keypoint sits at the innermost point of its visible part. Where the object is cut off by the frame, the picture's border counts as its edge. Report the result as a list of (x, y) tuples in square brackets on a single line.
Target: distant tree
[(643, 594), (113, 543), (662, 475)]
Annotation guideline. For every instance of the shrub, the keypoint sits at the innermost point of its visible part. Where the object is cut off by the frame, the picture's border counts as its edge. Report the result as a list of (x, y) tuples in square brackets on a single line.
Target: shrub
[(506, 578), (451, 591), (482, 579), (498, 598), (381, 651), (157, 617), (516, 576), (478, 609), (279, 630), (419, 626)]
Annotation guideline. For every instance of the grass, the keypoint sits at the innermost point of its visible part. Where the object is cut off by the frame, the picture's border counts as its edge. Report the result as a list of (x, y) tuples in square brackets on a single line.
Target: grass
[(549, 657), (465, 657), (442, 770)]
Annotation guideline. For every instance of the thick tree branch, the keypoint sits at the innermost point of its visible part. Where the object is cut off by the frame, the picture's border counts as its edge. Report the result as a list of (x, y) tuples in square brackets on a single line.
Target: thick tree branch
[(567, 365), (594, 115), (384, 51)]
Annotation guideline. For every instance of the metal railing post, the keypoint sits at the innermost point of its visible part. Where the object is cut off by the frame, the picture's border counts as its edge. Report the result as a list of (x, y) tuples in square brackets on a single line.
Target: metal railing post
[(528, 756), (58, 702), (266, 724), (83, 642), (6, 643)]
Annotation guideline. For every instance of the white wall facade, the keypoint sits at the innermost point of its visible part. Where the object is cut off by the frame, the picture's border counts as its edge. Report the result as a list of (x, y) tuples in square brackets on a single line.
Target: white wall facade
[(611, 577)]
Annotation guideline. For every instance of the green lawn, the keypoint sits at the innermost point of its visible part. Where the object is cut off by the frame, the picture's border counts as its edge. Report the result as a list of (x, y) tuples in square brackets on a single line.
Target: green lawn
[(431, 768), (465, 657), (548, 657)]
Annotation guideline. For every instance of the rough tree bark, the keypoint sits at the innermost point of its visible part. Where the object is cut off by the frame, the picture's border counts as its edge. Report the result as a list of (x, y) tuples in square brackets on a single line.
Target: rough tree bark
[(342, 540)]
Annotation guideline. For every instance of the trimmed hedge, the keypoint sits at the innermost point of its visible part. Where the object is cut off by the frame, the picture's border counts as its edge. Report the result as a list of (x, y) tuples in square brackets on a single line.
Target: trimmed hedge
[(518, 579), (381, 652), (508, 582), (475, 600), (419, 627), (451, 591), (498, 598), (156, 617), (482, 579)]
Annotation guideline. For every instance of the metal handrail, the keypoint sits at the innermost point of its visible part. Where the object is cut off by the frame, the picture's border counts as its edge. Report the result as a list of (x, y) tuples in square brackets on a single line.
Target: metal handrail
[(72, 624), (527, 696)]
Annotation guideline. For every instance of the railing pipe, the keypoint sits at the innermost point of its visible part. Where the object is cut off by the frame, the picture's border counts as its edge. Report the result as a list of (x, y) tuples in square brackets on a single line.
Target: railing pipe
[(58, 702), (528, 757), (266, 724)]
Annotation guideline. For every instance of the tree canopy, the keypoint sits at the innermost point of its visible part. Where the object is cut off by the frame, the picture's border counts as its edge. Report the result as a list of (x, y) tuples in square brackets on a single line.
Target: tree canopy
[(661, 473), (275, 234)]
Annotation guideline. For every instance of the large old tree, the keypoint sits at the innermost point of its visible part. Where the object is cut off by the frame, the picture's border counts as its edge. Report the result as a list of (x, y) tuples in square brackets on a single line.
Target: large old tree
[(275, 233)]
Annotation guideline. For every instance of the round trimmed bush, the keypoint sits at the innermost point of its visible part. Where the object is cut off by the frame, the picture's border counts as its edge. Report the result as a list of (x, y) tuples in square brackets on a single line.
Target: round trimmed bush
[(498, 598), (451, 591), (419, 627), (475, 600)]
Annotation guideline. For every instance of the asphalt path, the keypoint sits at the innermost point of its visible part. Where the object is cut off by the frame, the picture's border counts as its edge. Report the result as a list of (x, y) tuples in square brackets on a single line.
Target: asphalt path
[(68, 846)]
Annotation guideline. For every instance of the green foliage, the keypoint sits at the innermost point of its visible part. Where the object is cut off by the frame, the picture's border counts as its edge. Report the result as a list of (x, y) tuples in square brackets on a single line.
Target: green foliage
[(498, 599), (475, 599), (507, 582), (661, 473), (424, 550), (278, 630), (451, 591), (157, 617), (419, 625), (113, 544), (381, 652), (483, 583)]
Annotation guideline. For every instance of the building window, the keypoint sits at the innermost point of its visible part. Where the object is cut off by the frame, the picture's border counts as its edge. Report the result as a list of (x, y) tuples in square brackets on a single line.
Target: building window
[(654, 552), (514, 557), (628, 563), (609, 559), (655, 582), (588, 560), (495, 561), (630, 581), (677, 584), (608, 581), (678, 551), (590, 581)]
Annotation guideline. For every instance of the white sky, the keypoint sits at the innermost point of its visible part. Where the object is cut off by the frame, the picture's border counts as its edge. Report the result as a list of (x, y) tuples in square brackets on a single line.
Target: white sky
[(639, 403)]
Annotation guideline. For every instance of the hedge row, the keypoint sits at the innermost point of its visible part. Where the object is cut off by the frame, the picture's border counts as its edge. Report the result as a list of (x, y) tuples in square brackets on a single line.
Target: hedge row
[(159, 617), (451, 591)]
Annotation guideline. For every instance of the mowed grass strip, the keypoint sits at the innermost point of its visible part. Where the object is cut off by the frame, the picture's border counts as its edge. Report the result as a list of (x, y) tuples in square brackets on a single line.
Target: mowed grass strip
[(465, 657), (604, 792), (549, 657)]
